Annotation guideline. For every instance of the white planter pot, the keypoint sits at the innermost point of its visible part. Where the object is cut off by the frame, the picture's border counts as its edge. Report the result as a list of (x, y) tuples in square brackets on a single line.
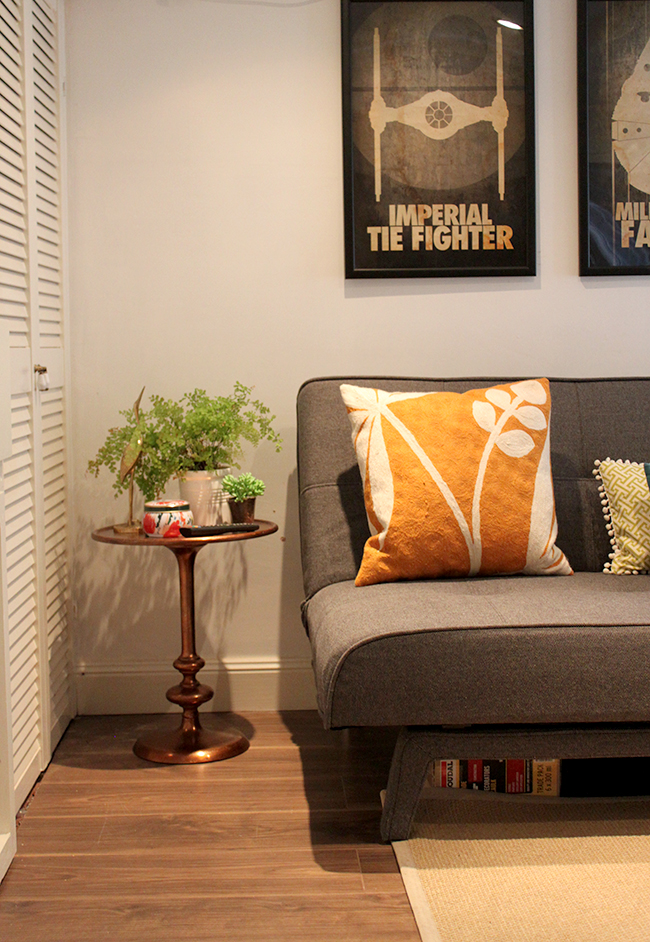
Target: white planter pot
[(204, 492)]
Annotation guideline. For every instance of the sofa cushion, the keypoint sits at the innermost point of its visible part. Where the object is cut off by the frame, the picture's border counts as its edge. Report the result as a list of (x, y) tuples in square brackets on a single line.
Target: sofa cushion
[(626, 506), (456, 484), (514, 649)]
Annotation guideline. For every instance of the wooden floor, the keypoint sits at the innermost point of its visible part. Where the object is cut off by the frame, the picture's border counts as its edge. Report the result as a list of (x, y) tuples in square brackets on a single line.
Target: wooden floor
[(280, 843)]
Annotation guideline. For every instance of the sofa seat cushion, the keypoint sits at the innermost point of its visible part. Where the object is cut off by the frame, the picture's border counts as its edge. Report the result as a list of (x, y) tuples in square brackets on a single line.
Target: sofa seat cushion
[(514, 649)]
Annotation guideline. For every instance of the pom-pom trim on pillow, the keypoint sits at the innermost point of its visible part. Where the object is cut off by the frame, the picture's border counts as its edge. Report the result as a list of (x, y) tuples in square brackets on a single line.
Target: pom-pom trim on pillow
[(624, 490)]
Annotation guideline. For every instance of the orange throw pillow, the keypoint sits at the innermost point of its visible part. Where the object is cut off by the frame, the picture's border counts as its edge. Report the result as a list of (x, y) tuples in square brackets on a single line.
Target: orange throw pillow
[(456, 484)]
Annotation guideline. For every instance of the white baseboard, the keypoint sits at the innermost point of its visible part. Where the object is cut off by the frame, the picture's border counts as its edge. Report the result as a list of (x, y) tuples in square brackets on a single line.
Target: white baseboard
[(7, 851), (24, 785), (270, 684)]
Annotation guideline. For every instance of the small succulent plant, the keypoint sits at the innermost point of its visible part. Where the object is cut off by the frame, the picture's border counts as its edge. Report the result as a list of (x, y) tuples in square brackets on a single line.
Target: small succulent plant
[(244, 486)]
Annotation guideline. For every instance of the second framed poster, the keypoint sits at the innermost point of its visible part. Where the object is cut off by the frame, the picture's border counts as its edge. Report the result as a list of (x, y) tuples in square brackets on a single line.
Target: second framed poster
[(614, 136), (439, 149)]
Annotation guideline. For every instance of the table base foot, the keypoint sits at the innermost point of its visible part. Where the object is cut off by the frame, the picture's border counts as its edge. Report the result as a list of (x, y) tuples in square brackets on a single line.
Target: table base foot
[(184, 747)]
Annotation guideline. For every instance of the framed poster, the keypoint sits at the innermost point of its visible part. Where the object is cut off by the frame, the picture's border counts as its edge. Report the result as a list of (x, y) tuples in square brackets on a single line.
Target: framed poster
[(439, 149), (614, 136)]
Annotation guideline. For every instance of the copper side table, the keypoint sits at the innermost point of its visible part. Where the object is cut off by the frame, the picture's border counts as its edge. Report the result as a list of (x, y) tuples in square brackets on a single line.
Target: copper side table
[(189, 743)]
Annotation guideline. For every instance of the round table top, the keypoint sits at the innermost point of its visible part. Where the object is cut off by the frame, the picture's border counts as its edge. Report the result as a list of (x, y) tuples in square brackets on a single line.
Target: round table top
[(108, 535)]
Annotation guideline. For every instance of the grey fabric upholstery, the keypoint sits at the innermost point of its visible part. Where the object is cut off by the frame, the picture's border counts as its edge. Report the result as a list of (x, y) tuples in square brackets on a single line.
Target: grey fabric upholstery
[(512, 649), (495, 651)]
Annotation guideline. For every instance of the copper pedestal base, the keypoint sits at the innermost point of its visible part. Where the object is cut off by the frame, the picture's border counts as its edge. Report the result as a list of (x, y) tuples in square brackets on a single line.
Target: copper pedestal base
[(189, 743), (179, 746)]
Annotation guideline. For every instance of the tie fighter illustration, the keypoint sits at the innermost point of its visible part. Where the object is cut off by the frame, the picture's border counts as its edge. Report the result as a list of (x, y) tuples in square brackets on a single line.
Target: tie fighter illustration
[(438, 114)]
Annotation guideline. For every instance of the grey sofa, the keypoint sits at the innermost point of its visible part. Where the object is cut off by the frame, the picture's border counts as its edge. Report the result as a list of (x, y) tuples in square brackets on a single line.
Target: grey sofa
[(512, 666)]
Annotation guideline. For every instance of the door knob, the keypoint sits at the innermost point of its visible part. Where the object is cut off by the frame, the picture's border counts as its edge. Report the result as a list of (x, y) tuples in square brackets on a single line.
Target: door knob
[(42, 378)]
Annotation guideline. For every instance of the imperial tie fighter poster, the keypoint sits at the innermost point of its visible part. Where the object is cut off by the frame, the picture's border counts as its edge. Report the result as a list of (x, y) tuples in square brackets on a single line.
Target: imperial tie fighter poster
[(438, 138), (614, 138)]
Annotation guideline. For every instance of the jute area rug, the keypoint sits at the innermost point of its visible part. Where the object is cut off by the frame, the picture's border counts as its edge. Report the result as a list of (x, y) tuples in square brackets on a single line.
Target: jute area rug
[(507, 868)]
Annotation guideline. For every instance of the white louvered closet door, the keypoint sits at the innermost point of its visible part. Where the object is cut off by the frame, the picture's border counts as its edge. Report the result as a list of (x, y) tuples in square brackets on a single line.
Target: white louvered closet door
[(45, 253), (33, 480)]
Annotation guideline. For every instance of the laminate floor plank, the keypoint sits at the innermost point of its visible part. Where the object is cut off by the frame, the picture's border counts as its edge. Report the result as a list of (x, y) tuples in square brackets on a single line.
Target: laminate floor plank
[(151, 834), (223, 873), (159, 833), (167, 797), (361, 917), (280, 844), (266, 729), (278, 762)]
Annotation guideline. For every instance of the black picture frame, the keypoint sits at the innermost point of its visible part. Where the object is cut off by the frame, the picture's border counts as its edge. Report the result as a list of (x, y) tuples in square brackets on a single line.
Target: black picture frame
[(438, 138), (613, 130)]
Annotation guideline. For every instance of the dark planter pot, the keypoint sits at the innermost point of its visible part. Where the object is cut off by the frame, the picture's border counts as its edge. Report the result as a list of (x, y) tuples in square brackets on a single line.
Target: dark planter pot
[(243, 511)]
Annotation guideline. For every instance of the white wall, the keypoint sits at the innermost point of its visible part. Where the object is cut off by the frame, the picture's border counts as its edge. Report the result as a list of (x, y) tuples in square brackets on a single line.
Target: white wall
[(206, 228)]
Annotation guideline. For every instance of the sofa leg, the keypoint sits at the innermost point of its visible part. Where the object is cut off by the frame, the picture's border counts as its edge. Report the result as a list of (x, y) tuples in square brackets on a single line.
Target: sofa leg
[(407, 773)]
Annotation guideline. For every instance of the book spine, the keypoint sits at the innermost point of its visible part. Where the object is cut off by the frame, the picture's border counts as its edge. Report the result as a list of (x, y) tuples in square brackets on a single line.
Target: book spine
[(447, 773), (473, 774), (546, 777), (518, 776), (494, 775)]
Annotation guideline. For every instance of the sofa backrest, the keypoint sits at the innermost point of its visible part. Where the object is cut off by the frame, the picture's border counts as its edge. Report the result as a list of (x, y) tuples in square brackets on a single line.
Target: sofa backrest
[(590, 418)]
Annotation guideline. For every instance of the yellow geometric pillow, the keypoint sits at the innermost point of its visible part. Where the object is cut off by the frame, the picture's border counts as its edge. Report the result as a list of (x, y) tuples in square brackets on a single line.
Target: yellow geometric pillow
[(456, 484), (626, 506)]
